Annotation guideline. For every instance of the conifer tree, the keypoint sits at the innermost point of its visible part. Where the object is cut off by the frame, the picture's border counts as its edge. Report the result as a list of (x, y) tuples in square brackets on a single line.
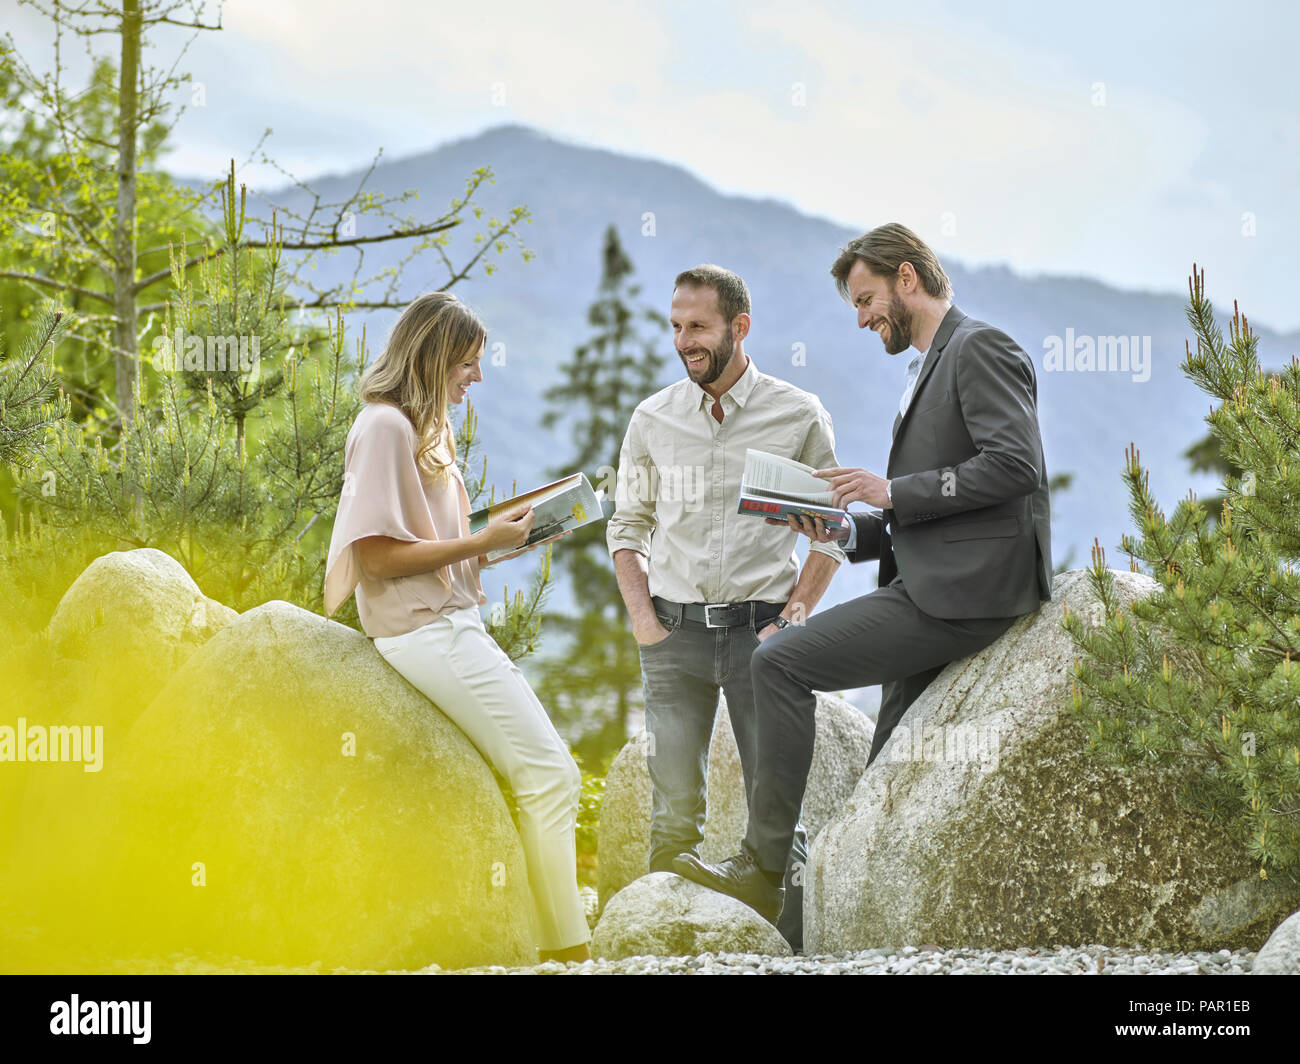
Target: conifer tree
[(30, 402), (595, 684), (1200, 675)]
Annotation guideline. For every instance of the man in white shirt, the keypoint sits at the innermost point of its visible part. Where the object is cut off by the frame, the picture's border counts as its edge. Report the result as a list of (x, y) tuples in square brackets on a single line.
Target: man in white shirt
[(704, 584)]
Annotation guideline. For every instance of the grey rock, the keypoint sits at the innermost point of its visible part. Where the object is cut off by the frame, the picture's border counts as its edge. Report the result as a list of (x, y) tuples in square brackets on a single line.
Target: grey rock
[(336, 817), (131, 619), (1280, 955), (665, 915), (1026, 839), (1063, 960), (839, 757), (122, 628)]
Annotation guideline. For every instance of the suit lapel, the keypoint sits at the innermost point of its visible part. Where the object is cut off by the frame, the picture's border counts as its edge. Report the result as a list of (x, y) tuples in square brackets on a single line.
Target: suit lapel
[(941, 338)]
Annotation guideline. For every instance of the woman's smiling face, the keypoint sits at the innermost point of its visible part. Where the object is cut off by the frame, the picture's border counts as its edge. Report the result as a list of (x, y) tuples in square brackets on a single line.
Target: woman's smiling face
[(463, 374)]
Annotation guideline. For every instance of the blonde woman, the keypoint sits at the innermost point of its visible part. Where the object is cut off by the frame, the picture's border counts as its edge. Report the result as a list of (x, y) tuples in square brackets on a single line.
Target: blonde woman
[(402, 541)]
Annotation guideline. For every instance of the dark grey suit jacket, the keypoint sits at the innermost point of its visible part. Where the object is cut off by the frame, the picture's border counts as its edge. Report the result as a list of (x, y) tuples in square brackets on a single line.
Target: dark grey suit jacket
[(970, 527)]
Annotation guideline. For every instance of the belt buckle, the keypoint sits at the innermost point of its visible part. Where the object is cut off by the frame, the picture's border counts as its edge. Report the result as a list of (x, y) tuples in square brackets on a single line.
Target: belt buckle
[(714, 606)]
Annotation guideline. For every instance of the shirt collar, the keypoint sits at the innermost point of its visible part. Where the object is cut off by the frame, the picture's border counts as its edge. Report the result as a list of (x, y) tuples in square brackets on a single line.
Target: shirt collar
[(739, 391)]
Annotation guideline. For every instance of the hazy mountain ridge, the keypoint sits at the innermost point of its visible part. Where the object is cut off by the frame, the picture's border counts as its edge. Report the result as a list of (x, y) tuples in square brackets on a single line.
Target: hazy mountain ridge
[(537, 310)]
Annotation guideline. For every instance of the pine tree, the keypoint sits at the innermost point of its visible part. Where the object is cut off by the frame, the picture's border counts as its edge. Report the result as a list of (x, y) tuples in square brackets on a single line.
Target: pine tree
[(595, 684), (1057, 483), (1206, 456), (30, 402), (1200, 675)]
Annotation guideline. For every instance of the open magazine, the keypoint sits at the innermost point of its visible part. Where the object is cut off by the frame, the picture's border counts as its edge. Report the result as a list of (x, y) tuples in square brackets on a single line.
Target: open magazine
[(559, 507), (776, 487)]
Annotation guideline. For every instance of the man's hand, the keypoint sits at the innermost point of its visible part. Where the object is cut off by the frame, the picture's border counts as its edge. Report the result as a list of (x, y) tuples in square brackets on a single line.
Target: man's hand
[(648, 637), (855, 485), (814, 529)]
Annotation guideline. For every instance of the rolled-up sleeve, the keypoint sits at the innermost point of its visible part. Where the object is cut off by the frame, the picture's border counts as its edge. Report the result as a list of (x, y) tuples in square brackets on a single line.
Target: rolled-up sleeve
[(819, 452), (633, 520)]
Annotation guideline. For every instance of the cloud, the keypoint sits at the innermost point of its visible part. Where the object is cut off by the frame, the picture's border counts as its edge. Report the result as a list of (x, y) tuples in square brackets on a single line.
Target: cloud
[(982, 132)]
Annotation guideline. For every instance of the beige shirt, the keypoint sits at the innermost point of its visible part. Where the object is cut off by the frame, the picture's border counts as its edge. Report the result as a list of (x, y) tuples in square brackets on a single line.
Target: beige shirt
[(678, 488), (385, 493)]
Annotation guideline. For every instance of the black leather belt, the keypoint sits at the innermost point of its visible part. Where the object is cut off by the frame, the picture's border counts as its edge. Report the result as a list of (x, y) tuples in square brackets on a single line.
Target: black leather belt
[(718, 614)]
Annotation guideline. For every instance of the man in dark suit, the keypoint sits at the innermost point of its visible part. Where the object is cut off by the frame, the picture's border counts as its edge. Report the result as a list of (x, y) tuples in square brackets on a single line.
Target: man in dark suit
[(962, 535)]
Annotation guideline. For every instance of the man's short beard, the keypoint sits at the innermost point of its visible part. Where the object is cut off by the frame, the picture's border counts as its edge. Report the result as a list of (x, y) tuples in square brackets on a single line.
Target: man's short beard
[(719, 359), (900, 324)]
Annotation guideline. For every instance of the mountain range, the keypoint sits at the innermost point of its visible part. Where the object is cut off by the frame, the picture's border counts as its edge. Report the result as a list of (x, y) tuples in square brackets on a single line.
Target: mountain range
[(669, 219)]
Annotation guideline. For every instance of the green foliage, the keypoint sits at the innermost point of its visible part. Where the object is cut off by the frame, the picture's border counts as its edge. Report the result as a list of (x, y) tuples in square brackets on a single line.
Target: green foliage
[(594, 685), (593, 795), (30, 406), (238, 322), (1206, 456), (1057, 483), (181, 476), (1200, 675), (235, 474), (63, 186), (58, 173)]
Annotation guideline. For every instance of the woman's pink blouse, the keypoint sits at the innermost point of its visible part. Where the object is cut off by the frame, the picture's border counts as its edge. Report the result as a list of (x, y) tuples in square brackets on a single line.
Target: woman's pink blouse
[(385, 493)]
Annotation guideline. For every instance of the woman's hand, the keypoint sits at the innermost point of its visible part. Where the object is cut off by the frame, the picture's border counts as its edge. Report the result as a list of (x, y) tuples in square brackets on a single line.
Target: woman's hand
[(508, 529), (483, 563)]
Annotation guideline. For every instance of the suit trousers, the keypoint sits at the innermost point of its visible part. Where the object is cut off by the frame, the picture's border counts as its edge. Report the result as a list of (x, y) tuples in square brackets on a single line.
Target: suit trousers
[(880, 638), (460, 668), (682, 676)]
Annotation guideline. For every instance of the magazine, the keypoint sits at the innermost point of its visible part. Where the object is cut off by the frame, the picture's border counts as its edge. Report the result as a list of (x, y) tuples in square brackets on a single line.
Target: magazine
[(559, 507), (772, 486)]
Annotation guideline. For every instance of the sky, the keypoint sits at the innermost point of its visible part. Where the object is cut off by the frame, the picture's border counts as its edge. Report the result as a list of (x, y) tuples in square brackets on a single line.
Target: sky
[(1118, 141)]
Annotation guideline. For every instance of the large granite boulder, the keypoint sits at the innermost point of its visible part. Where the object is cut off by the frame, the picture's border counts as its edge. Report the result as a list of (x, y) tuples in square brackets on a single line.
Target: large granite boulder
[(129, 621), (288, 799), (1280, 955), (839, 757), (1023, 838), (664, 915)]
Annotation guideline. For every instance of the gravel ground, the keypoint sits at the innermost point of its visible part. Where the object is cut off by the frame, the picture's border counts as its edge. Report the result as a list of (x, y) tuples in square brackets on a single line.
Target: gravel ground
[(910, 960)]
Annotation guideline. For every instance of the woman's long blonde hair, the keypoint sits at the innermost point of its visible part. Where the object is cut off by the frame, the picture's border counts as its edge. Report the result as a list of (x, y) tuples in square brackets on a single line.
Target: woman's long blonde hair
[(436, 332)]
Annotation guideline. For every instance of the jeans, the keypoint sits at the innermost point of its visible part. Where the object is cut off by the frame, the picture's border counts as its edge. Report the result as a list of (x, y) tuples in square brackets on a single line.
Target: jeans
[(460, 668), (682, 675)]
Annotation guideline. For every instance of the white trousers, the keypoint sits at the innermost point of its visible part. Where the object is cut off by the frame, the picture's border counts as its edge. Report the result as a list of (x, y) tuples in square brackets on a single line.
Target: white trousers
[(459, 667)]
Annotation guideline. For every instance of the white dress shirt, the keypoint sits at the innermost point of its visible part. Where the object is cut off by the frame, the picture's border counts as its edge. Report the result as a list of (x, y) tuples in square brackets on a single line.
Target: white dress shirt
[(678, 488)]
